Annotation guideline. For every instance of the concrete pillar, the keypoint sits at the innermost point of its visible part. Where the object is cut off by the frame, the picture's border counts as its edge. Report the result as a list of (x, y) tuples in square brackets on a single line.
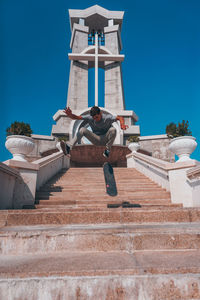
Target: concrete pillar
[(114, 92), (96, 69), (77, 97)]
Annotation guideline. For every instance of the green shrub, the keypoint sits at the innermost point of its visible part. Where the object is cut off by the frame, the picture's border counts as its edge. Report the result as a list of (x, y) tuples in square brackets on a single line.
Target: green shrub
[(133, 139), (19, 128), (63, 138), (181, 129)]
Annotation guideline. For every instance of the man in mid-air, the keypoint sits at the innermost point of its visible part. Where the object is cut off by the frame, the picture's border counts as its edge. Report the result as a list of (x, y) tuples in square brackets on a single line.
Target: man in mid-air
[(102, 134)]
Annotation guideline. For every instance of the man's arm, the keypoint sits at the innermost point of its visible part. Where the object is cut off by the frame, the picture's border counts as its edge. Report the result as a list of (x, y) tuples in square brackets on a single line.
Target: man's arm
[(69, 113), (121, 120)]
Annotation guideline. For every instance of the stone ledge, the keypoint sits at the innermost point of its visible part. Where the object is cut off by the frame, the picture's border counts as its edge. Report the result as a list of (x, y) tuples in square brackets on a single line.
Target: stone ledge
[(123, 113), (100, 263), (45, 160), (10, 171), (43, 137), (133, 129), (163, 164), (22, 165), (194, 172), (153, 137), (95, 9)]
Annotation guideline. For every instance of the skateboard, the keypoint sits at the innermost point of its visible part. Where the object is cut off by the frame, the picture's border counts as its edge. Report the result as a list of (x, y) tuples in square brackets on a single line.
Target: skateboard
[(123, 204), (111, 188)]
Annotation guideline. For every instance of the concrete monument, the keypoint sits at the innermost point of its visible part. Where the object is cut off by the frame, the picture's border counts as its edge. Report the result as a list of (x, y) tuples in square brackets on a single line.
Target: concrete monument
[(95, 43)]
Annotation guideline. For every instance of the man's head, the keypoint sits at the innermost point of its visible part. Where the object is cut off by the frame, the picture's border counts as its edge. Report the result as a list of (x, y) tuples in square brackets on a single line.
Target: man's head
[(95, 112)]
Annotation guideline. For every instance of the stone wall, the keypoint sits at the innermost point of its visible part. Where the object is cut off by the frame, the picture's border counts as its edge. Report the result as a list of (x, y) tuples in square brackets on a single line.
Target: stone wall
[(43, 143), (157, 145)]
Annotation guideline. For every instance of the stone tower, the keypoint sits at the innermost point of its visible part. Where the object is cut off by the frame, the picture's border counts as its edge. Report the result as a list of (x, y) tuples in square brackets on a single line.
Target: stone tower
[(95, 43)]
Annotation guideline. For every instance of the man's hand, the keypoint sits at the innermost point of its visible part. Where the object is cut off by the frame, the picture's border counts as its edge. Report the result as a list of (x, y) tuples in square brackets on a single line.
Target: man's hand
[(68, 111), (124, 127)]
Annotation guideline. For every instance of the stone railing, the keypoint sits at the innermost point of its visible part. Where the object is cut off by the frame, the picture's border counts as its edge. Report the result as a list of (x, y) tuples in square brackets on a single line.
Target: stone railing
[(27, 178), (49, 166), (8, 178), (174, 177), (193, 176), (153, 168), (194, 173)]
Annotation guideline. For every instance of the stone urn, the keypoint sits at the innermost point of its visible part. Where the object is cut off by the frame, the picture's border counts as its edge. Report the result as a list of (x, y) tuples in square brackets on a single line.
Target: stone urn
[(134, 147), (19, 146), (183, 146)]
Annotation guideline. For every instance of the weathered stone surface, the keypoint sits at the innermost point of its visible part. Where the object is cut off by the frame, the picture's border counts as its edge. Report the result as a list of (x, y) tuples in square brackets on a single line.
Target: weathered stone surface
[(40, 239), (142, 276), (77, 248), (43, 144), (90, 155), (120, 287), (157, 145)]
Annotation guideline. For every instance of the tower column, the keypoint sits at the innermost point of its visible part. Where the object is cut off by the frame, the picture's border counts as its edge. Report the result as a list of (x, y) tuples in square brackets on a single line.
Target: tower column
[(96, 69), (114, 91), (77, 97)]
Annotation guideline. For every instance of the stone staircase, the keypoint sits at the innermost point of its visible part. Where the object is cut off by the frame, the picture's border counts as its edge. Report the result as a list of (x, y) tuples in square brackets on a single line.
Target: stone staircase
[(85, 188), (73, 247)]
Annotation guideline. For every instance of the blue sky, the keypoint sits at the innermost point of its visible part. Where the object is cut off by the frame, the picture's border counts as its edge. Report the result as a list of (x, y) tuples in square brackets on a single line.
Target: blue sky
[(161, 71)]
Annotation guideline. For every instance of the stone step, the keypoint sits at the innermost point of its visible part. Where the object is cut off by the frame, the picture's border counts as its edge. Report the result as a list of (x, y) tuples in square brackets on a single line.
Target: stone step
[(23, 240), (86, 185), (100, 188), (108, 286), (56, 191), (96, 208), (99, 176), (100, 263), (101, 196), (85, 206), (86, 173), (101, 208), (102, 192), (89, 182), (78, 182), (104, 202), (94, 169), (74, 247), (98, 216), (117, 171)]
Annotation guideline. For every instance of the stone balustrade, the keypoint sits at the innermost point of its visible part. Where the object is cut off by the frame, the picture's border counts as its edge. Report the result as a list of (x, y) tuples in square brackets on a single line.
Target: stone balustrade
[(49, 166), (19, 180), (8, 179), (194, 173), (181, 179)]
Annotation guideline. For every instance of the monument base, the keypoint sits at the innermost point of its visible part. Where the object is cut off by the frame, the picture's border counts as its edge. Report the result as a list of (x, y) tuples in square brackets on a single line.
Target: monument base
[(92, 156)]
